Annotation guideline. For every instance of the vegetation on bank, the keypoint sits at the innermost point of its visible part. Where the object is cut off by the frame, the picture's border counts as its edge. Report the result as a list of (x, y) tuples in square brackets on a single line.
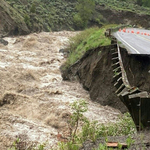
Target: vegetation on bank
[(81, 130), (92, 131), (88, 39)]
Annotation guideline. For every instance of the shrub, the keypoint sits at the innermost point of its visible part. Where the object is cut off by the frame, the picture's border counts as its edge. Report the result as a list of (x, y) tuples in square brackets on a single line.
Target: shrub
[(93, 130), (27, 20), (78, 21), (33, 8), (85, 10)]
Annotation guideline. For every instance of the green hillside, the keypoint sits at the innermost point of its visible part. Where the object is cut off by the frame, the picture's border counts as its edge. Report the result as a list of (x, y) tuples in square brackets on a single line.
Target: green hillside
[(56, 15)]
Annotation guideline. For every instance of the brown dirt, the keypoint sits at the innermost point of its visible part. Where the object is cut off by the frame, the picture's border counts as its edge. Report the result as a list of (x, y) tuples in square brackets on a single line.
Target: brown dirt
[(34, 100), (94, 71), (139, 75)]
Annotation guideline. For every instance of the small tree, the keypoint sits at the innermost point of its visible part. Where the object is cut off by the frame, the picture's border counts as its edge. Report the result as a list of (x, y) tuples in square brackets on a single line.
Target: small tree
[(79, 107), (27, 20), (77, 118), (85, 10), (33, 8)]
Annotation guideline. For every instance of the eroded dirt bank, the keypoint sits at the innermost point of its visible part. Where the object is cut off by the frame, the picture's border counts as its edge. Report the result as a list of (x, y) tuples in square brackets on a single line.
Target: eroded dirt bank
[(94, 71), (34, 100), (137, 68)]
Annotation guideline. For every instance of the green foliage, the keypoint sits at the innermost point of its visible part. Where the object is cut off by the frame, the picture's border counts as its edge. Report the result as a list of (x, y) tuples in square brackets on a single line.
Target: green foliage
[(79, 107), (78, 21), (84, 41), (139, 2), (15, 145), (49, 14), (102, 147), (74, 141), (124, 126), (119, 146), (90, 131), (129, 141), (137, 6), (33, 8), (27, 20), (21, 145), (41, 147), (93, 130), (73, 14), (68, 146), (146, 3), (85, 10)]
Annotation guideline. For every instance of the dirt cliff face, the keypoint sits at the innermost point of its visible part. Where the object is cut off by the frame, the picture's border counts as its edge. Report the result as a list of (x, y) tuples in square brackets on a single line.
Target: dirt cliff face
[(137, 68), (10, 21), (95, 73)]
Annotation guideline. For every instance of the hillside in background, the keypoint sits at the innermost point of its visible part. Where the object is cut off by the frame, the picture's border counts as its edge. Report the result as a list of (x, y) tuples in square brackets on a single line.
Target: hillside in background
[(24, 16), (11, 22)]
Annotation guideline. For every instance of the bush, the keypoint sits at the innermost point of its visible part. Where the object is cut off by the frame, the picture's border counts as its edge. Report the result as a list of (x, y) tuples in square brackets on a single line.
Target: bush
[(93, 130), (33, 8), (78, 21), (124, 126), (85, 10), (27, 20)]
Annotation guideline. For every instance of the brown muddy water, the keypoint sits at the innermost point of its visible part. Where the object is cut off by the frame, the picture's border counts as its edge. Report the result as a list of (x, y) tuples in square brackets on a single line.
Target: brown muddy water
[(36, 101)]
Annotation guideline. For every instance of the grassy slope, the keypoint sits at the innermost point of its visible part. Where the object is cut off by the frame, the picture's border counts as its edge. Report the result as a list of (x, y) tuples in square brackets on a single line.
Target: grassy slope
[(45, 15), (88, 39)]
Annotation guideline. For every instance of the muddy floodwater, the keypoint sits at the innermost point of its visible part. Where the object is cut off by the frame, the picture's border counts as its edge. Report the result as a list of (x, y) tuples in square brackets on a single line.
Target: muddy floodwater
[(34, 100)]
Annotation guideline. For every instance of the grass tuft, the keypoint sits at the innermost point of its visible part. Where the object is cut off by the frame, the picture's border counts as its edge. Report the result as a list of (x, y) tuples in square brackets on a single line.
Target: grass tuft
[(88, 39)]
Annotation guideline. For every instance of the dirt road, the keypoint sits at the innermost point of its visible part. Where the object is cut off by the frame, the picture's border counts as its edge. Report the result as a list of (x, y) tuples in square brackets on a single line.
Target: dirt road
[(34, 101)]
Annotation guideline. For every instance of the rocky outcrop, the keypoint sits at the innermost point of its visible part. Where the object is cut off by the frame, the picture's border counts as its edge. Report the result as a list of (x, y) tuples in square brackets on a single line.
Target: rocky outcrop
[(11, 22)]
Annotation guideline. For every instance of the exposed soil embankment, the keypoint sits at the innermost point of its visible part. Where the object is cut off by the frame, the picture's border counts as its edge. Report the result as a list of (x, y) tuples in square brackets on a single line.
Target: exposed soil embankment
[(95, 73), (137, 68), (11, 22)]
